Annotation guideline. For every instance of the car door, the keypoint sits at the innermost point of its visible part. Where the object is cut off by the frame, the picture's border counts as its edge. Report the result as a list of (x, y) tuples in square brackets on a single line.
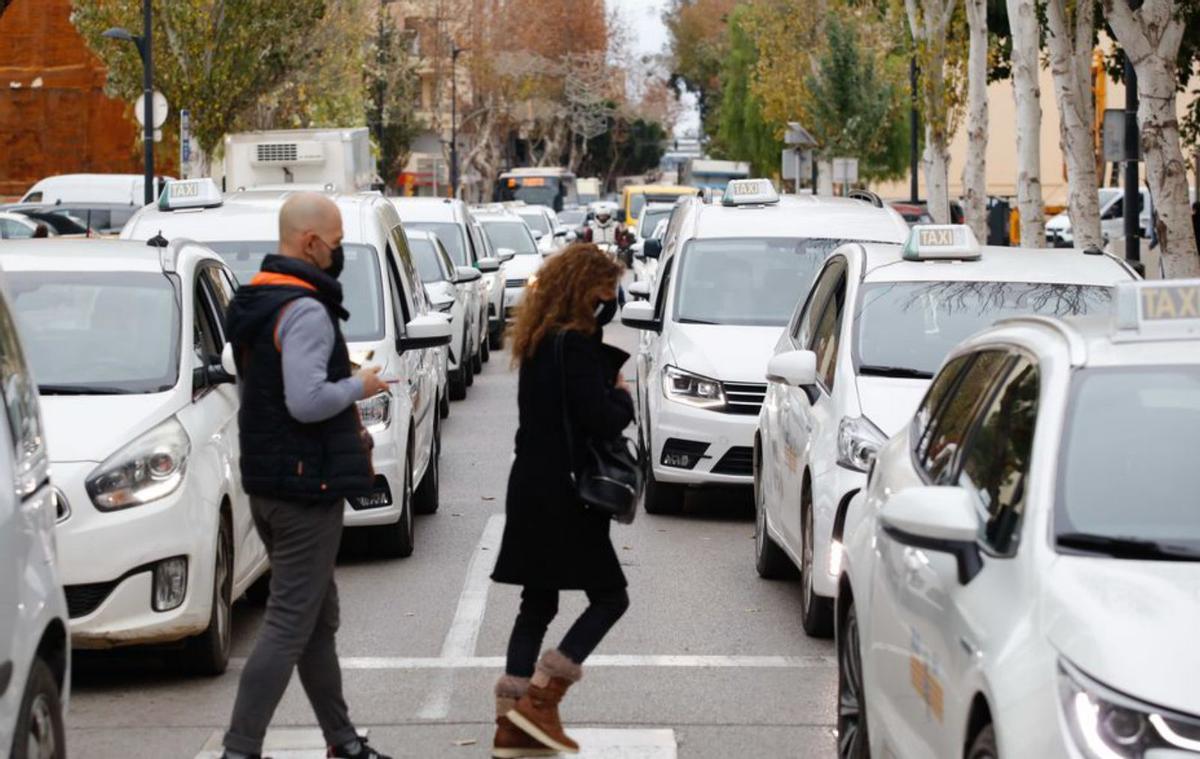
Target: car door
[(419, 366), (910, 586), (650, 348)]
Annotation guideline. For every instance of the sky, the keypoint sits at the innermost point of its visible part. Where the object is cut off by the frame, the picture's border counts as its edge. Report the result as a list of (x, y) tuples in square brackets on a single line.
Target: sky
[(648, 36)]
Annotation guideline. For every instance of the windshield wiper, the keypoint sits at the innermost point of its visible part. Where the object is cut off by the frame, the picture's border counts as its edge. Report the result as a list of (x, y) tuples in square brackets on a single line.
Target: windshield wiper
[(1126, 548), (901, 372), (81, 390)]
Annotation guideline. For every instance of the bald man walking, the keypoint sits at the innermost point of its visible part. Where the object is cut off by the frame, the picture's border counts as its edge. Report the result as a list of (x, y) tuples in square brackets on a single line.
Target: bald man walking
[(304, 451)]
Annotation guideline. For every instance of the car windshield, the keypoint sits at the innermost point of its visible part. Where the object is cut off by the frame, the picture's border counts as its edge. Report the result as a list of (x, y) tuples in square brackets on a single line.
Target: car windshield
[(636, 203), (754, 282), (650, 220), (98, 333), (449, 233), (362, 294), (426, 257), (513, 235), (573, 218), (536, 222), (1132, 495), (911, 326)]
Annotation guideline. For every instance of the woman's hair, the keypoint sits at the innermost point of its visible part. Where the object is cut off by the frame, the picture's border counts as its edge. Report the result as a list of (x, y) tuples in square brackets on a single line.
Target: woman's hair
[(563, 298)]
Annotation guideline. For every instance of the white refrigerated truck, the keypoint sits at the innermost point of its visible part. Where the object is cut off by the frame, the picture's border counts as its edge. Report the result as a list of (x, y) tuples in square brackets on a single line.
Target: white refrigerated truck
[(339, 160)]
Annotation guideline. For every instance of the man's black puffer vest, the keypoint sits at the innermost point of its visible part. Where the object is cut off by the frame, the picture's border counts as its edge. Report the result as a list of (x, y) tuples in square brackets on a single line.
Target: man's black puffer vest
[(281, 457)]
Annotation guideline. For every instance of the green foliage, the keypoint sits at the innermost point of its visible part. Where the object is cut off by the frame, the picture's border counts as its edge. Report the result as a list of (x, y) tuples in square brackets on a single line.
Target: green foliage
[(741, 131), (393, 90), (214, 57), (626, 147), (699, 43), (857, 107)]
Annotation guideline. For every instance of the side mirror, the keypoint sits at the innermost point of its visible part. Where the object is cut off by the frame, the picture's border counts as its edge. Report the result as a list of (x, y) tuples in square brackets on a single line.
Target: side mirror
[(936, 518), (427, 331), (560, 231), (639, 249), (505, 254), (639, 290), (640, 315), (488, 265), (464, 274), (537, 235), (211, 374), (652, 248), (794, 368)]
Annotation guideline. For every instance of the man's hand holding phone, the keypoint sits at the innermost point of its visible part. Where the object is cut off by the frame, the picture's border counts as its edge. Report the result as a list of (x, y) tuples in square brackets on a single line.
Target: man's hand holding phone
[(372, 384)]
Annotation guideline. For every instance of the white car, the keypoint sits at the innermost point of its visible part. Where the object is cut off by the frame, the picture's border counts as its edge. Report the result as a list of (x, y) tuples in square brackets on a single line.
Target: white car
[(390, 326), (1020, 573), (35, 656), (1112, 218), (551, 236), (728, 282), (451, 291), (452, 222), (856, 358), (155, 535), (14, 226), (510, 236), (652, 225)]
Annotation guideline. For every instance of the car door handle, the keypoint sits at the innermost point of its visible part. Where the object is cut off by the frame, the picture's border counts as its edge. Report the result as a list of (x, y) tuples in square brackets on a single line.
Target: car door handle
[(913, 561)]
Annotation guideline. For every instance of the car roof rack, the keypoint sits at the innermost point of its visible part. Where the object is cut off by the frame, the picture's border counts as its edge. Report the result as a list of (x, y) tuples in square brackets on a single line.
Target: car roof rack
[(866, 195)]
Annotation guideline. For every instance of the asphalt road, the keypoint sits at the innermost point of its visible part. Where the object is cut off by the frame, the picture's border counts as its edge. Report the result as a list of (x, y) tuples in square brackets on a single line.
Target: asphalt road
[(707, 650)]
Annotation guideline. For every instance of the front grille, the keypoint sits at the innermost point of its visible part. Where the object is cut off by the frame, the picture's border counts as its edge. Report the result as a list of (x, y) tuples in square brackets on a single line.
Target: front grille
[(515, 282), (744, 397), (738, 460), (275, 152), (82, 600), (683, 454)]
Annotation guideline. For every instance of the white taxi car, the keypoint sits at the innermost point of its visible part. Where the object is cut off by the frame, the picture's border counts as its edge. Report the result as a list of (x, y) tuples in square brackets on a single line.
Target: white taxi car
[(551, 236), (856, 358), (155, 535), (390, 326), (35, 656), (1020, 573), (728, 281), (451, 291), (513, 241)]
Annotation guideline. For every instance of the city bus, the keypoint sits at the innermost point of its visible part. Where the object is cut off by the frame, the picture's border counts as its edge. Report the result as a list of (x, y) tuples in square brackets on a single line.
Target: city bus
[(554, 187)]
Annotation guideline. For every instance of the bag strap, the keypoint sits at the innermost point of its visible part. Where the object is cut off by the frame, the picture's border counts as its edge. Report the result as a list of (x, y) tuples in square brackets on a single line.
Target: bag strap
[(559, 339)]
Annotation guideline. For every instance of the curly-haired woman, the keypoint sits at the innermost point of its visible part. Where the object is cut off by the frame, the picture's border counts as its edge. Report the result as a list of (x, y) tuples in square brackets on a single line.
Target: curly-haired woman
[(551, 541)]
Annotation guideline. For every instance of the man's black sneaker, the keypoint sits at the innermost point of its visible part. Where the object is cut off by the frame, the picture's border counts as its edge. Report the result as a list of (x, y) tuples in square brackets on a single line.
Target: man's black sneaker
[(364, 751)]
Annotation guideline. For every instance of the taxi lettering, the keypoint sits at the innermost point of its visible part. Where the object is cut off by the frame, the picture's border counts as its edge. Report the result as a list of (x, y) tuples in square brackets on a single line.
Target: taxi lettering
[(1173, 302), (936, 237), (186, 189)]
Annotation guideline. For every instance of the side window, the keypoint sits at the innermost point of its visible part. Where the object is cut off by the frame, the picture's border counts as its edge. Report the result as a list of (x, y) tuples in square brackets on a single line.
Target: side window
[(996, 460), (222, 289), (826, 281), (948, 429), (448, 268), (400, 311), (206, 331), (664, 284), (11, 230), (940, 391), (401, 257), (474, 253), (21, 408), (828, 333)]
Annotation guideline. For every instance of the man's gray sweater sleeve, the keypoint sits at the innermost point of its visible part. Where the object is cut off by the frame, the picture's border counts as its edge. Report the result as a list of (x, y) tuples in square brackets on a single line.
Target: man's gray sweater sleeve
[(306, 339)]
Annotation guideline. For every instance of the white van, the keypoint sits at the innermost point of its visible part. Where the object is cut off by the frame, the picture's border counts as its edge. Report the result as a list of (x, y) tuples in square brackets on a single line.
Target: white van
[(1112, 218), (125, 189)]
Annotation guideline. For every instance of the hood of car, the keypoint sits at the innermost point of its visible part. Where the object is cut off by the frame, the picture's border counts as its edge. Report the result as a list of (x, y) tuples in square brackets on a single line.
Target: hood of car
[(1061, 222), (729, 353), (93, 427), (521, 266), (890, 402), (1129, 624)]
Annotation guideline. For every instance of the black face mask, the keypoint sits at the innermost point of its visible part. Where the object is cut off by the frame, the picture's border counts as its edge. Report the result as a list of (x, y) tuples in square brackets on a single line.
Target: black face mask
[(605, 311), (337, 262)]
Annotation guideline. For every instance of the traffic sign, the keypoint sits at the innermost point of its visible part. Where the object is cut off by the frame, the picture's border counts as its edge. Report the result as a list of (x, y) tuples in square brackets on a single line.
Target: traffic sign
[(845, 170), (158, 107)]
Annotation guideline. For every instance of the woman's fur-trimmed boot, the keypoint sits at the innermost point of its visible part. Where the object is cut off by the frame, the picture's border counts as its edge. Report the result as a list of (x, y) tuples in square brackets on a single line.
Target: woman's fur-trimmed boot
[(511, 742), (536, 713)]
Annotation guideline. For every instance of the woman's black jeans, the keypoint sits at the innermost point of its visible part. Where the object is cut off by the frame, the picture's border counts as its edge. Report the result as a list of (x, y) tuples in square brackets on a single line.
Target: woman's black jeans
[(538, 609)]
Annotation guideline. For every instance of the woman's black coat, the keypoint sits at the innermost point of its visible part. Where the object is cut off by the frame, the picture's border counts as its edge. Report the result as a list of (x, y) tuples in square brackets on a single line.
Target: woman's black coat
[(550, 540)]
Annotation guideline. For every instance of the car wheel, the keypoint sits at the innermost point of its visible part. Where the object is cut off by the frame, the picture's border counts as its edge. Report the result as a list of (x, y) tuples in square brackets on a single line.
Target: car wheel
[(852, 735), (425, 500), (467, 364), (210, 649), (769, 559), (816, 611), (457, 383), (395, 541), (444, 403), (661, 497), (485, 350), (477, 361), (984, 745), (39, 729)]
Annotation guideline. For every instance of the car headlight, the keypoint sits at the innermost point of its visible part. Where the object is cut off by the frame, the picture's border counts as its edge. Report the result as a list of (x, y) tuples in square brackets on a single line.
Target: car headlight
[(1105, 724), (692, 389), (858, 442), (376, 412), (145, 470)]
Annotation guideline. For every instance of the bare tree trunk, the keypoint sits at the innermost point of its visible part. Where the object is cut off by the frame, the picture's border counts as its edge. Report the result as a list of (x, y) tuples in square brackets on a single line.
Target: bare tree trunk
[(1151, 37), (928, 21), (1023, 22), (937, 181), (975, 170), (1070, 45)]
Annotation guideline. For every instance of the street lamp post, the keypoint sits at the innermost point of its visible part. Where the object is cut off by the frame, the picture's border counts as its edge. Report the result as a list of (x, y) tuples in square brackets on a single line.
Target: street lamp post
[(454, 53), (145, 50)]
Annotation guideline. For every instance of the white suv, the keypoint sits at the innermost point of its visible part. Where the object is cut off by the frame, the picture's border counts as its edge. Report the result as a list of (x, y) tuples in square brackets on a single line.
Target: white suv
[(728, 279), (155, 534), (513, 241), (856, 358), (35, 657), (390, 326)]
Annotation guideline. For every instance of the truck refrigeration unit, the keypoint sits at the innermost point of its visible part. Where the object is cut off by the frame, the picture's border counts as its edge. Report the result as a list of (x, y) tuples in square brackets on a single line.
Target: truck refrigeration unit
[(338, 160)]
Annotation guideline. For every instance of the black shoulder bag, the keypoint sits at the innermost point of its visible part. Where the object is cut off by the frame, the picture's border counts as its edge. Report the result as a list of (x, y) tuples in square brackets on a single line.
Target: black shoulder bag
[(607, 474)]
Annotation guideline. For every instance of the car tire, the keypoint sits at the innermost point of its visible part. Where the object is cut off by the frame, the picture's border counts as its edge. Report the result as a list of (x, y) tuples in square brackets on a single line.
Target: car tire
[(816, 612), (395, 541), (661, 497), (260, 590), (457, 383), (425, 499), (984, 745), (209, 651), (770, 561), (485, 349), (853, 736), (444, 402), (39, 730), (477, 361)]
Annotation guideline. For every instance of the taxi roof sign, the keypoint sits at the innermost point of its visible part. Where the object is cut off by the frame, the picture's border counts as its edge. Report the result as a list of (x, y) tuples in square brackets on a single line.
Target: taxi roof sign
[(749, 192), (189, 193), (1161, 310), (942, 242)]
